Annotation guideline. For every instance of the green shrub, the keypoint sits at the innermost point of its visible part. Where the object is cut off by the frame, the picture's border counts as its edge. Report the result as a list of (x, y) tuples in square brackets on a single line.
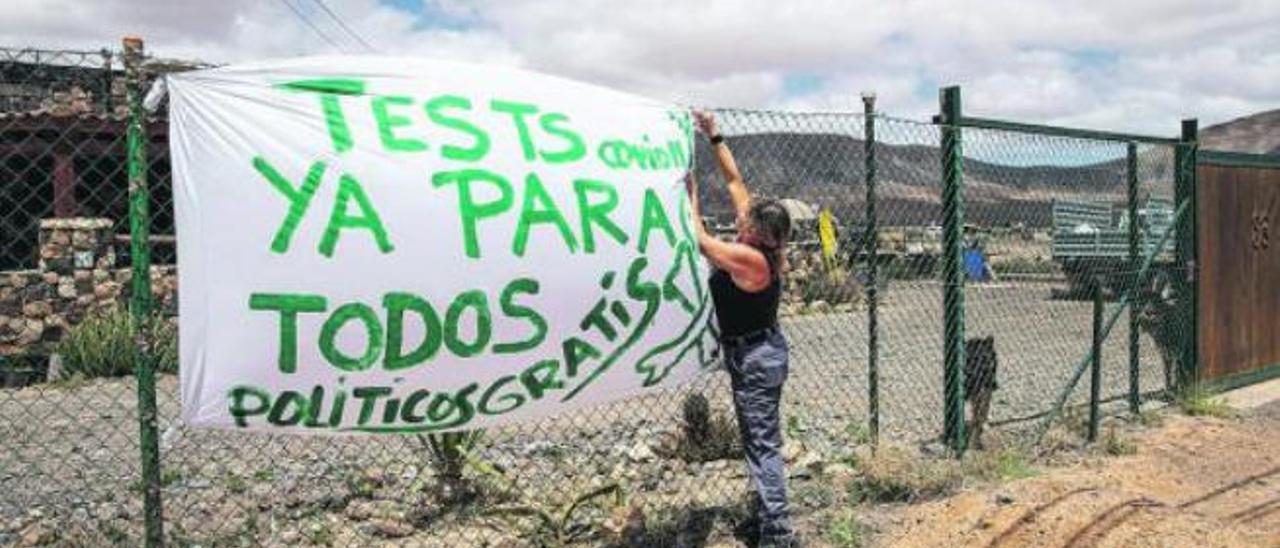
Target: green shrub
[(834, 285), (844, 530), (909, 267), (1003, 465), (1198, 401), (1024, 265), (102, 345), (706, 435), (450, 453)]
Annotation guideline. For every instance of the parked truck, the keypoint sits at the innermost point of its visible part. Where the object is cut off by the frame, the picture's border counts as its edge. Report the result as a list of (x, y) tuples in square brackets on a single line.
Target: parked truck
[(1091, 241)]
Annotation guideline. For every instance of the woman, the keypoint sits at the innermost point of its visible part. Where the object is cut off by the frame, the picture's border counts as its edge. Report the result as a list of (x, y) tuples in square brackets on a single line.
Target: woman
[(746, 285)]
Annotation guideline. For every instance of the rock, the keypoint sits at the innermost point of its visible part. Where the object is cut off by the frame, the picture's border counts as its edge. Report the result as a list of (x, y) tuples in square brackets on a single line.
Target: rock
[(59, 238), (666, 444), (792, 451), (807, 464), (934, 448), (50, 278), (67, 290), (36, 309), (83, 281), (1004, 499), (55, 368), (291, 537), (80, 240), (391, 528), (641, 452), (36, 534), (106, 290), (360, 510), (819, 306), (17, 281), (32, 331), (717, 465)]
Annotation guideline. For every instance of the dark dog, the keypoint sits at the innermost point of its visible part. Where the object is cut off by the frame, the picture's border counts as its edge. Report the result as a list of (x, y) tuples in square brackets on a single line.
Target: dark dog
[(979, 383)]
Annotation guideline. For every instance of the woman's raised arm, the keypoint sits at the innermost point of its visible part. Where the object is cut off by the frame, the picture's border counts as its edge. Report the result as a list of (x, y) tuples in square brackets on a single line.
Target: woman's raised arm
[(738, 193)]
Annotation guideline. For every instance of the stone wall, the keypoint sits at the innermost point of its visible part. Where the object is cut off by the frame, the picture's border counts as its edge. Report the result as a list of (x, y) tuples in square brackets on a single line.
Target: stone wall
[(77, 275)]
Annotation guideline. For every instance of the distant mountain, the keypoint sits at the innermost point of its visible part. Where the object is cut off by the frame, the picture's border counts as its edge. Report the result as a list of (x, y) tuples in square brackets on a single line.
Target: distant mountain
[(1258, 133), (828, 170)]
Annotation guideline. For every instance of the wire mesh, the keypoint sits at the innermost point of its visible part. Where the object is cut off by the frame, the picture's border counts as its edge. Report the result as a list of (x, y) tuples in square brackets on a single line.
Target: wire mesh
[(1048, 225), (675, 453), (69, 455), (71, 452)]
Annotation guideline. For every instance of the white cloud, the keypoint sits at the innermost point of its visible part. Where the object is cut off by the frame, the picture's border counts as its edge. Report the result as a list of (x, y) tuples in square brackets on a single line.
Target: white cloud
[(1135, 65)]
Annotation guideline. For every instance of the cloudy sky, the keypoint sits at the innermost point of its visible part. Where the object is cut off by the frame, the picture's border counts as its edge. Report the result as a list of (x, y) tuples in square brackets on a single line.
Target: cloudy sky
[(1136, 65)]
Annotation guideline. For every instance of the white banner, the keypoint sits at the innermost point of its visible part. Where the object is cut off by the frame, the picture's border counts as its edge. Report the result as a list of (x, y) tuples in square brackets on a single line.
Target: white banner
[(386, 244)]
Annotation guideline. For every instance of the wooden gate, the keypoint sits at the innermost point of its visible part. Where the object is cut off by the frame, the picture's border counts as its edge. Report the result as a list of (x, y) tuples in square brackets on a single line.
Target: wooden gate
[(1238, 219)]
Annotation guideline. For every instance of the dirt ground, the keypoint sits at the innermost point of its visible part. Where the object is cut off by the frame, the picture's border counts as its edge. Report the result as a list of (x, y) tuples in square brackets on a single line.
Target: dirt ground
[(1191, 482)]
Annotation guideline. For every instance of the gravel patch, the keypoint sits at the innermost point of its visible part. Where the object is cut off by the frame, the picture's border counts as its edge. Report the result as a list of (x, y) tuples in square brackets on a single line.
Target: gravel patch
[(69, 463)]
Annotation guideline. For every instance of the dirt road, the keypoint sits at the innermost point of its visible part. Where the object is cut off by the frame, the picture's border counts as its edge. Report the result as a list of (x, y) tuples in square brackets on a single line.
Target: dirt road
[(1192, 482)]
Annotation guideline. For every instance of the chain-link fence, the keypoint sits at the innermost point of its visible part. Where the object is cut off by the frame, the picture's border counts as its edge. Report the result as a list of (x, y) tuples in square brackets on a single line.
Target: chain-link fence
[(1048, 233), (68, 454), (1045, 227)]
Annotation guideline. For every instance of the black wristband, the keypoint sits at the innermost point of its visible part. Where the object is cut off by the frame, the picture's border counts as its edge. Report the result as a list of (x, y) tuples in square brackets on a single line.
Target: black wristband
[(717, 139)]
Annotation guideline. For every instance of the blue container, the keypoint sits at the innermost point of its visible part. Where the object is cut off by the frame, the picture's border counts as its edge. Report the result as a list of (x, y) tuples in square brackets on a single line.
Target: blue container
[(975, 264)]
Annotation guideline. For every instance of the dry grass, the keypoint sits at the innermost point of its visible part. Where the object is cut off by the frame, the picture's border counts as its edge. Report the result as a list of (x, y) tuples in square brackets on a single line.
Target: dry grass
[(896, 474), (1202, 402)]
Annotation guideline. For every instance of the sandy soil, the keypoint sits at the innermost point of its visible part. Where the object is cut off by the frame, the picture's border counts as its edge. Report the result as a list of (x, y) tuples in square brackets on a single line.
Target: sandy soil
[(1192, 482)]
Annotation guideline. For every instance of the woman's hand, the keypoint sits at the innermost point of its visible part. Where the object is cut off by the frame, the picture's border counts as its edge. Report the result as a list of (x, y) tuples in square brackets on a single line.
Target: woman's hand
[(706, 122)]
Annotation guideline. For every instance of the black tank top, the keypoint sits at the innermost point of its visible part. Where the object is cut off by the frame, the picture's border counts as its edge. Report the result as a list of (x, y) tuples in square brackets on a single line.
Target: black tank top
[(740, 312)]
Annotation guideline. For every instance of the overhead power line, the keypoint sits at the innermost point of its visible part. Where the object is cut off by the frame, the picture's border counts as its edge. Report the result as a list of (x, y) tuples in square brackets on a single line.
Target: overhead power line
[(301, 16), (344, 26)]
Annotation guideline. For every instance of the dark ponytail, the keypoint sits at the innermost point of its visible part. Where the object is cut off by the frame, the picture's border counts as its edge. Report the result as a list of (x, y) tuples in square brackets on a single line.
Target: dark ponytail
[(771, 226)]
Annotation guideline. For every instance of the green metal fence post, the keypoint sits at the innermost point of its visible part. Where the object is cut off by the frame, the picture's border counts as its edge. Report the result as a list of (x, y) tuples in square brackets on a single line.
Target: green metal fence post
[(107, 76), (1185, 189), (1131, 172), (1095, 373), (952, 275), (140, 301), (872, 240)]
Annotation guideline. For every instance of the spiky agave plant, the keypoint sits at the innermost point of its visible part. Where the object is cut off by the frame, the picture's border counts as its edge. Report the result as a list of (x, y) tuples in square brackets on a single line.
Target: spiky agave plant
[(554, 523)]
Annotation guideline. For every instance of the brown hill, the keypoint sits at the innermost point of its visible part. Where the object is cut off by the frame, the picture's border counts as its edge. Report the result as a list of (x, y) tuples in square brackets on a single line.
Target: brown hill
[(1258, 133), (827, 170)]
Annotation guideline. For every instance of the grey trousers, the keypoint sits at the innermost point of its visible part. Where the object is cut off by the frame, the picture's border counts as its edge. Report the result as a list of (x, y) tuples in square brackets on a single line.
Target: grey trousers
[(757, 372)]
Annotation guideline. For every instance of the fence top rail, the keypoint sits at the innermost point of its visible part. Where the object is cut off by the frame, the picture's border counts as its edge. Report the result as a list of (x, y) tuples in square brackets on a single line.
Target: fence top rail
[(1237, 159), (58, 57), (1004, 125)]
